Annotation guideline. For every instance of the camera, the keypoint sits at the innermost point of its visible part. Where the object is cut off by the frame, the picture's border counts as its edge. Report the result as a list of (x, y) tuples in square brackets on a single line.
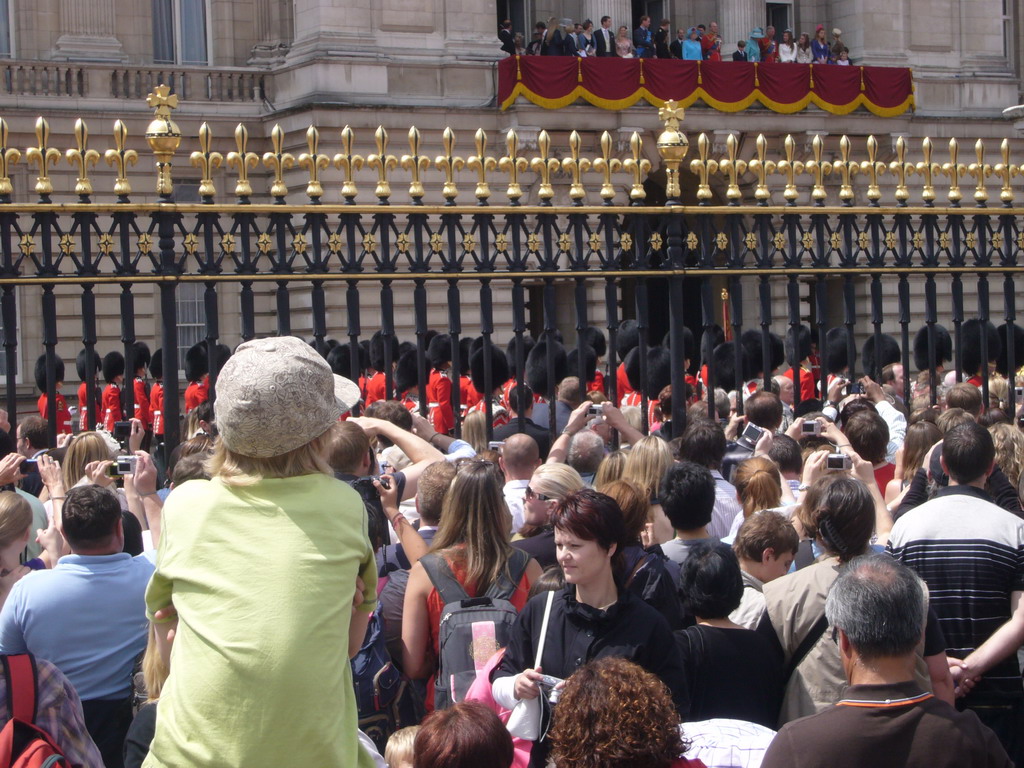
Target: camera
[(751, 434), (838, 462), (385, 481), (856, 388), (496, 445), (1018, 393), (547, 684), (595, 410), (122, 430), (812, 427), (29, 467), (123, 465)]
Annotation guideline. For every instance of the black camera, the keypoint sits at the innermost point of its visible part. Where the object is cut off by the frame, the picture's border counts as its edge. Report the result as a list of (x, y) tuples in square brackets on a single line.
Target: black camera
[(122, 430)]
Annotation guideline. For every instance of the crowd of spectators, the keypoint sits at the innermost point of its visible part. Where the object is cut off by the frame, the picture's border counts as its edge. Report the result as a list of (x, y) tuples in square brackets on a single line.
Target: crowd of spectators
[(321, 574), (564, 37)]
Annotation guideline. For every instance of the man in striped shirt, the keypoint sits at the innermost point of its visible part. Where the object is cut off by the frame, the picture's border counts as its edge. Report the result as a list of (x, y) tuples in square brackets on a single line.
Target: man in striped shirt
[(970, 552)]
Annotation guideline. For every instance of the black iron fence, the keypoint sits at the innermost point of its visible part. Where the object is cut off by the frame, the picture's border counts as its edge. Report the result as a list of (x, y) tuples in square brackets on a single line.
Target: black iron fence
[(924, 239)]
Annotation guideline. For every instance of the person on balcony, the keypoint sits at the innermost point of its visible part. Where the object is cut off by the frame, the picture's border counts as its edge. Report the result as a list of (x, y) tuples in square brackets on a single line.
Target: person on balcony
[(661, 40), (508, 41), (585, 39), (769, 51), (643, 40), (623, 45), (804, 54), (711, 43), (604, 38), (838, 46), (821, 53), (753, 47), (740, 54), (691, 46), (787, 48)]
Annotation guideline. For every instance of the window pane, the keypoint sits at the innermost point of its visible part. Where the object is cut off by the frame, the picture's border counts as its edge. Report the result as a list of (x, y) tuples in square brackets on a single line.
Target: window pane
[(191, 318), (163, 31), (5, 28), (193, 32)]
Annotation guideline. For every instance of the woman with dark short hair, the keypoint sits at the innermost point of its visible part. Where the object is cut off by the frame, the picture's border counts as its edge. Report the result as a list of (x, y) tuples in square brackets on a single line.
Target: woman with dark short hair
[(731, 672), (593, 617)]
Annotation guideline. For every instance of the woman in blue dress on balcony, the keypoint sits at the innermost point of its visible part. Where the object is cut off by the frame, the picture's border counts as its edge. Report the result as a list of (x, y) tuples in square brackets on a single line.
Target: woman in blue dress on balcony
[(820, 50), (691, 46)]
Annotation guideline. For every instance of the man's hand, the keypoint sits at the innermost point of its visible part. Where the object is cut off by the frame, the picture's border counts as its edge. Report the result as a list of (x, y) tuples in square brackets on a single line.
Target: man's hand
[(10, 468), (369, 425), (421, 426), (963, 682), (732, 430), (814, 467), (144, 479), (579, 417), (862, 469), (50, 474), (96, 471), (136, 435), (835, 389), (872, 390), (796, 428), (764, 443), (388, 497), (527, 686)]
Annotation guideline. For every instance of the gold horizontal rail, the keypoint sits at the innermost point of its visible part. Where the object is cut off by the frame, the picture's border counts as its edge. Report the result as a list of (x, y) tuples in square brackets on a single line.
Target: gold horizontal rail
[(468, 275)]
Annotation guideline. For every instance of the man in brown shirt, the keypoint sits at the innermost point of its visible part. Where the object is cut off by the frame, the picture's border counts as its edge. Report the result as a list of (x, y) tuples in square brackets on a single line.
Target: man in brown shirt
[(885, 718)]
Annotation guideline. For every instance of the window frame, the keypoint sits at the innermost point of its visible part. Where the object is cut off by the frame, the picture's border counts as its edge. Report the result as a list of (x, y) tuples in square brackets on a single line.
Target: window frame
[(176, 34)]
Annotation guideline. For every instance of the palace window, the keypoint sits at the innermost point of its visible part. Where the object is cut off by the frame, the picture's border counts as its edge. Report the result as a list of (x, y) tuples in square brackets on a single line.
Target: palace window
[(6, 43), (180, 32)]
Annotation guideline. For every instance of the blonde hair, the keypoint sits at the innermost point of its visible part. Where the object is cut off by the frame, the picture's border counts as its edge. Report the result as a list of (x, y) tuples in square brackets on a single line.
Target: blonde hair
[(646, 464), (610, 470), (475, 522), (154, 670), (998, 392), (758, 485), (474, 430), (399, 750), (15, 517), (84, 449), (1009, 443), (556, 480), (633, 416), (237, 470)]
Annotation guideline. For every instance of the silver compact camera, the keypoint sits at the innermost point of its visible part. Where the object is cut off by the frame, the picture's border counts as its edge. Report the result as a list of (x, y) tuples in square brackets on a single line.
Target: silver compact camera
[(838, 462)]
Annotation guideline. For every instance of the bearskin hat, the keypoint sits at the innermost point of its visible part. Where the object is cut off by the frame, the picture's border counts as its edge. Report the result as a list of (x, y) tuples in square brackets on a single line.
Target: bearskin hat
[(724, 357), (589, 363), (943, 347), (377, 356), (113, 366), (1002, 362), (888, 353), (439, 351), (659, 371), (837, 348), (465, 352), (140, 355), (406, 372), (753, 353), (626, 338), (156, 365), (594, 338), (499, 368), (82, 364), (803, 345), (970, 338), (537, 367), (510, 351), (197, 363), (41, 372), (710, 340)]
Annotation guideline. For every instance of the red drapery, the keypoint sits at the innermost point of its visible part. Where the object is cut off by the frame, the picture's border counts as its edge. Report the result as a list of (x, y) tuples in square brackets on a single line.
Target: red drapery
[(612, 83)]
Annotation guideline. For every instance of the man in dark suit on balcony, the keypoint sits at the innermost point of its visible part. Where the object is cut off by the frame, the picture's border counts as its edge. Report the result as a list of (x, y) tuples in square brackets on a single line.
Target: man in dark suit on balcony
[(642, 40), (604, 38), (508, 41)]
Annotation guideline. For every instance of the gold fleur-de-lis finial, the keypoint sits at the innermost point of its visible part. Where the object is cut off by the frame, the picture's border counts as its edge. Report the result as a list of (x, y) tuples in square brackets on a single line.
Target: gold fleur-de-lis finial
[(8, 156), (416, 163), (449, 163), (383, 162), (900, 168), (927, 168), (980, 170), (732, 168), (313, 162), (638, 165), (761, 167), (545, 165), (846, 169), (606, 165), (242, 160), (873, 167), (703, 167), (207, 161), (790, 168), (43, 155), (481, 163), (163, 101), (954, 170), (348, 162), (278, 161), (82, 157), (818, 168), (122, 158), (575, 166), (1006, 170), (513, 165)]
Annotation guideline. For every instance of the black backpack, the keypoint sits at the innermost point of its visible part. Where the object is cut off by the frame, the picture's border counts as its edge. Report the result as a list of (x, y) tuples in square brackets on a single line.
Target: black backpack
[(472, 629)]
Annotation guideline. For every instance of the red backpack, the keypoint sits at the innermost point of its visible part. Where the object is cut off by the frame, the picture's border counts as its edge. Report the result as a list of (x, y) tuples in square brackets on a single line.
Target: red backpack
[(22, 744)]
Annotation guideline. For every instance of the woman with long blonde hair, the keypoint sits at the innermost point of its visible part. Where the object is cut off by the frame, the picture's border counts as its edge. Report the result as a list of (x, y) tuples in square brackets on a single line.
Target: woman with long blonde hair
[(472, 544), (646, 465)]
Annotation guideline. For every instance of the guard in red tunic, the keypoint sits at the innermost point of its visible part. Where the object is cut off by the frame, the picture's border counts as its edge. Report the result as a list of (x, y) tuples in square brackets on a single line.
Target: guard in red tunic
[(499, 374), (141, 390), (156, 394), (407, 381), (63, 413), (801, 352), (376, 383), (439, 384), (659, 376), (710, 340), (837, 358), (113, 375), (468, 394), (89, 414), (626, 341), (197, 369), (594, 338), (970, 356)]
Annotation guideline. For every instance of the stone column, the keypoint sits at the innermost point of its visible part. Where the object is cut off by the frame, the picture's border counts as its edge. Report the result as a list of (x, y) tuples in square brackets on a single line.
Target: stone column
[(735, 20), (621, 12), (273, 27), (87, 32)]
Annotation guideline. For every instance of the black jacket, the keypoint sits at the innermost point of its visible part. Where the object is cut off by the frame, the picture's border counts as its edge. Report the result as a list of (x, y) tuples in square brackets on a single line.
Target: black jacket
[(652, 578), (508, 41)]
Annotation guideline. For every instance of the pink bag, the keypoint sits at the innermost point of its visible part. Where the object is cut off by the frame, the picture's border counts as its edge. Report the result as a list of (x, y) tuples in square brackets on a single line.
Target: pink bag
[(480, 691)]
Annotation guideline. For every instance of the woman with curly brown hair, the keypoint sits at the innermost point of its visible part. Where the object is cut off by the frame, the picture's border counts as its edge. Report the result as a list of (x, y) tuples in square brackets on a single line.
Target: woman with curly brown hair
[(614, 714)]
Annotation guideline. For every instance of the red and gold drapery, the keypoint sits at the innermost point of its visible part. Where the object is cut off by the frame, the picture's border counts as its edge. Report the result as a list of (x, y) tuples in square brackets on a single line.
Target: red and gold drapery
[(613, 83)]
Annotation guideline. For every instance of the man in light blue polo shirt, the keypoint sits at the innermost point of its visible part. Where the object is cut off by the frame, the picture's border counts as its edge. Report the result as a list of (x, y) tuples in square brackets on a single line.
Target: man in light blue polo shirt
[(87, 615)]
